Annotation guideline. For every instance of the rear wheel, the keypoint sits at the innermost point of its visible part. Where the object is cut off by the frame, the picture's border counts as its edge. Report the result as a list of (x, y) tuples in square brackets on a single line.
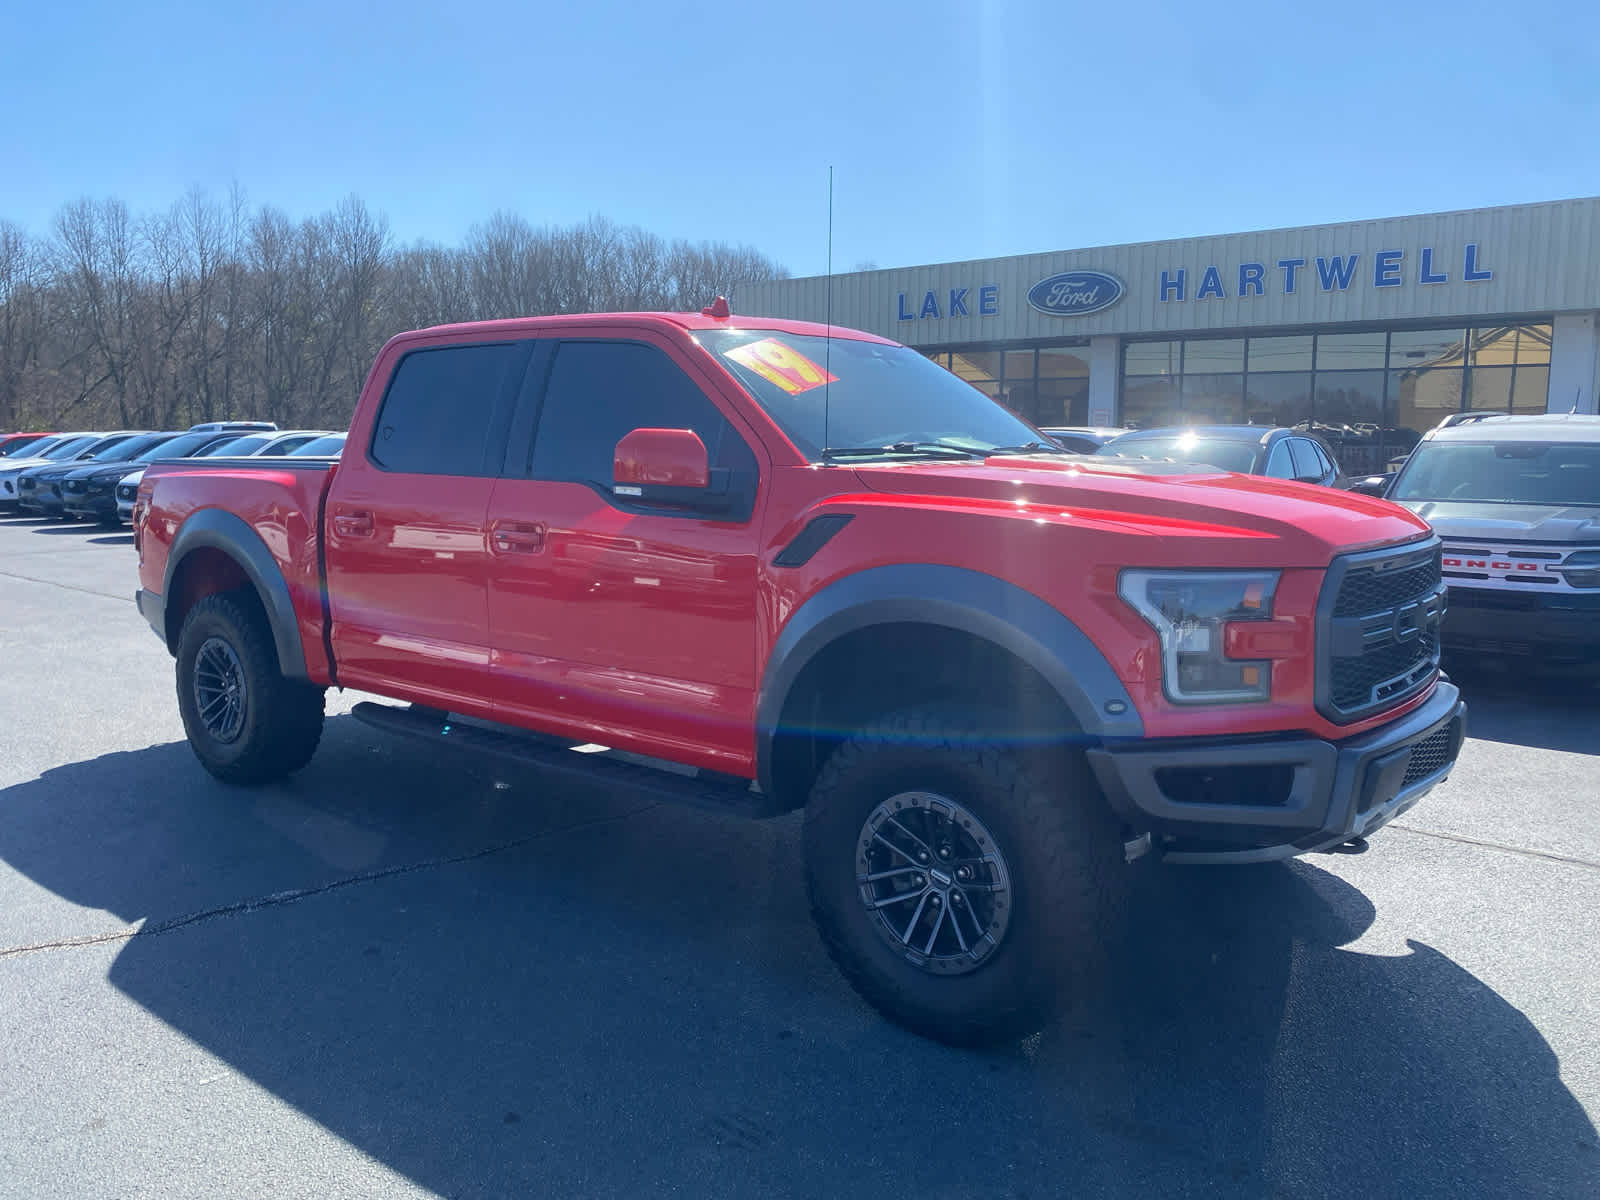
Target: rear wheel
[(960, 886), (246, 722)]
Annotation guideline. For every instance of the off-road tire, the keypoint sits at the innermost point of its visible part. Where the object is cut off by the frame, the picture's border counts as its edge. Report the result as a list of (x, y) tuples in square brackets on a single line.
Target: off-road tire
[(1060, 844), (282, 718)]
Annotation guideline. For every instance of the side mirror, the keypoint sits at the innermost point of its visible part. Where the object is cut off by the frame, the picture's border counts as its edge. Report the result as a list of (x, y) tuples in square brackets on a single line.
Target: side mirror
[(1372, 485), (666, 466)]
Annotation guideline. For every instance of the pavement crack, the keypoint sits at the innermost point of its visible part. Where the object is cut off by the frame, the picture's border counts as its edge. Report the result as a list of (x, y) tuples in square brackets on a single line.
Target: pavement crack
[(71, 587), (1524, 852), (295, 895)]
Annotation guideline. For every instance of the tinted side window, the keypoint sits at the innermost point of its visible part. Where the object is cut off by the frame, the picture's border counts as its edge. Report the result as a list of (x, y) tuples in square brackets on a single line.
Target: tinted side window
[(1329, 467), (1280, 465), (600, 391), (441, 406), (1306, 466)]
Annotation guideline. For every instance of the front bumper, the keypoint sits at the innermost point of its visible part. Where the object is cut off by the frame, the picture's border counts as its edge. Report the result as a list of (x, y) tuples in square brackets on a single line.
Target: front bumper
[(1550, 625), (1217, 801), (96, 507), (42, 500)]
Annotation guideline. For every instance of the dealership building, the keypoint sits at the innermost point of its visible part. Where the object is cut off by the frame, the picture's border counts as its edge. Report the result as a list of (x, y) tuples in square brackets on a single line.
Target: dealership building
[(1368, 333)]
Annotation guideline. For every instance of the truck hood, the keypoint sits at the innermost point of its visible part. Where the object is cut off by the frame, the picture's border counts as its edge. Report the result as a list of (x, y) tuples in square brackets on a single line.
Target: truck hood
[(1272, 522), (1510, 522)]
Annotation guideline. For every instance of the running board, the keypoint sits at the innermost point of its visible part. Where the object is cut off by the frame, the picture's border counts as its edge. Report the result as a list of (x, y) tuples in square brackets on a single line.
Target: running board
[(574, 760)]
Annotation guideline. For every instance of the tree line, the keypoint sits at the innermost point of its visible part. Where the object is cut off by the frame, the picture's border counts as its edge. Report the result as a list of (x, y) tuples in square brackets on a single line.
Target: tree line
[(217, 310)]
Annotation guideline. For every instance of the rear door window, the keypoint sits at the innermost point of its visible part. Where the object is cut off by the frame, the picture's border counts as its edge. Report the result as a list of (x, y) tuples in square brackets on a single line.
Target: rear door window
[(446, 410), (1279, 464)]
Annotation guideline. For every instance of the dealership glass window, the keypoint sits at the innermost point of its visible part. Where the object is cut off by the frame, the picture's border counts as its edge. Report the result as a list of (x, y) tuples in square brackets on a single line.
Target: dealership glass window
[(1530, 391), (1351, 351), (1290, 353), (1491, 388), (1152, 358), (1349, 408), (1505, 345), (1280, 398), (1422, 349), (1211, 399), (1213, 356), (1149, 401), (1421, 399)]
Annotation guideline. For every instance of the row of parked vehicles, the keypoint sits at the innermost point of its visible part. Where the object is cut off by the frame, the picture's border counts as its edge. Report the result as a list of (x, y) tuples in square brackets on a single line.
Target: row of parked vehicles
[(1516, 500), (94, 476)]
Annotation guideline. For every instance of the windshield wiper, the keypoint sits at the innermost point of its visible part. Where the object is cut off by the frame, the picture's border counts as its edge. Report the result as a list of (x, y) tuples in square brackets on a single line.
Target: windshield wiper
[(933, 449), (1030, 448)]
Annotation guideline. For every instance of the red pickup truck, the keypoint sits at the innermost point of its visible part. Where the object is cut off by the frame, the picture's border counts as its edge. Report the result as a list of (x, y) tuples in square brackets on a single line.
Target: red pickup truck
[(767, 565)]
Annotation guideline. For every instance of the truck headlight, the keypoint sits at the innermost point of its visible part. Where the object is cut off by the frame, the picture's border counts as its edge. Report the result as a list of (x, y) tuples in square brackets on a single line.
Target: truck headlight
[(1190, 610)]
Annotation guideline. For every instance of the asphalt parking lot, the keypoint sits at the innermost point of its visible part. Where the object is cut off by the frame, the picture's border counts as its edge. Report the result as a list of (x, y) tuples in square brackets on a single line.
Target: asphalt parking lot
[(397, 974)]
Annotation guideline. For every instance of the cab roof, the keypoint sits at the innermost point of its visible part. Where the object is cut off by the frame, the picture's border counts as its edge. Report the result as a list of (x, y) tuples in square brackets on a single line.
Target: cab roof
[(691, 321)]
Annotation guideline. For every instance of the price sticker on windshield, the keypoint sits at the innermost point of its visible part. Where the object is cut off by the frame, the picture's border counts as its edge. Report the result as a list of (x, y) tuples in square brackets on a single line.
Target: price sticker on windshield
[(780, 365)]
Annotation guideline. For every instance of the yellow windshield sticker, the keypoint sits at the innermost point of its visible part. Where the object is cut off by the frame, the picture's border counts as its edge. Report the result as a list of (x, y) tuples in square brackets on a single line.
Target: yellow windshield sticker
[(780, 365)]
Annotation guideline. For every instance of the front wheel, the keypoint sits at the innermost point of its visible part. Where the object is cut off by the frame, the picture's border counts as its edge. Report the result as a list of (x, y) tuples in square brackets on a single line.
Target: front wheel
[(246, 722), (960, 887)]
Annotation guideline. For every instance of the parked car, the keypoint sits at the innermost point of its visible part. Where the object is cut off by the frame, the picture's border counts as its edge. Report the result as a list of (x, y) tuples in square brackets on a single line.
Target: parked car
[(330, 446), (1245, 449), (19, 445), (632, 531), (90, 492), (1516, 501), (62, 448), (268, 445), (1081, 439), (39, 489)]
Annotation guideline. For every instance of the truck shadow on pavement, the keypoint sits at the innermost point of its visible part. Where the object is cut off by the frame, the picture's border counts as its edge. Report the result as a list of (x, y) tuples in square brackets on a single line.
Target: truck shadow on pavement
[(1542, 710), (498, 990)]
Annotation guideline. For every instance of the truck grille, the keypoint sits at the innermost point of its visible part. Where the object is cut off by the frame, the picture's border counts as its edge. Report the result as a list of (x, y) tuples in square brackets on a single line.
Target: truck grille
[(1378, 629)]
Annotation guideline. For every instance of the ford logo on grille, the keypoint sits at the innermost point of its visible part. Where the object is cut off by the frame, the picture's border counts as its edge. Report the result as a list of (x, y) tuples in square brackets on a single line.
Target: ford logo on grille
[(1075, 293)]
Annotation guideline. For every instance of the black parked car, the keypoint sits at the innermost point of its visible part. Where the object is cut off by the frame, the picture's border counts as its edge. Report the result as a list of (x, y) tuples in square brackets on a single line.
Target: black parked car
[(1247, 449), (38, 488), (90, 492)]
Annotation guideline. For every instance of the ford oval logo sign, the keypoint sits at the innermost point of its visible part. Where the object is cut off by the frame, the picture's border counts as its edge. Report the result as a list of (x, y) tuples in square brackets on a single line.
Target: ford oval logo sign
[(1075, 293)]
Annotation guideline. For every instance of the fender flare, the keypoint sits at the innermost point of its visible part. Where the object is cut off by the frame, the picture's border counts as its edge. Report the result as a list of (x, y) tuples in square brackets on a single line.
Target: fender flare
[(985, 606), (218, 529)]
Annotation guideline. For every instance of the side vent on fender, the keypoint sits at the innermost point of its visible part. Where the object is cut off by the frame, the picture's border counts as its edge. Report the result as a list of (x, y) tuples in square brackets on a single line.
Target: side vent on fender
[(817, 533)]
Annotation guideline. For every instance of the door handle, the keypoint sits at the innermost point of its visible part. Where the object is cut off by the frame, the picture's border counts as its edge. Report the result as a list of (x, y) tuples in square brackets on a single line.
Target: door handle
[(511, 538), (354, 524)]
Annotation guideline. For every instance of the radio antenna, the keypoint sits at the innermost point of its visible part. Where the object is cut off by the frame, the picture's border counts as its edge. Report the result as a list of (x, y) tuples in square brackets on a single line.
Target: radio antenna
[(827, 333)]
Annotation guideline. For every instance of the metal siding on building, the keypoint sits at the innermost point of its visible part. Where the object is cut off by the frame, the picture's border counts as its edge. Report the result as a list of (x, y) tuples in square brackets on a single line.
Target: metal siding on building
[(1543, 257)]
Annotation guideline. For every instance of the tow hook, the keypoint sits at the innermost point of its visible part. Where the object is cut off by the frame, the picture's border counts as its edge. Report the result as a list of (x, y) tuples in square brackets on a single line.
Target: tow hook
[(1356, 845)]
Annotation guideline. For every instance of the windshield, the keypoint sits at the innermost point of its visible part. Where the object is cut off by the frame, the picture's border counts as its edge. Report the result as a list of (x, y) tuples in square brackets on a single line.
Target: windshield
[(27, 447), (875, 394), (322, 446), (1503, 473), (174, 447), (1223, 454), (69, 448), (242, 445), (15, 445), (126, 448)]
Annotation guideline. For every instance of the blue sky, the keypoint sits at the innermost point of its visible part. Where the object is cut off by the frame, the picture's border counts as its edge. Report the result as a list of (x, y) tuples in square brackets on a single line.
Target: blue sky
[(957, 130)]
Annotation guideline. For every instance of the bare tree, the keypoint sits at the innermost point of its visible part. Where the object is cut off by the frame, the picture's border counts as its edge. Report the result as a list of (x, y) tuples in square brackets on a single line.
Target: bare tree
[(214, 309)]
